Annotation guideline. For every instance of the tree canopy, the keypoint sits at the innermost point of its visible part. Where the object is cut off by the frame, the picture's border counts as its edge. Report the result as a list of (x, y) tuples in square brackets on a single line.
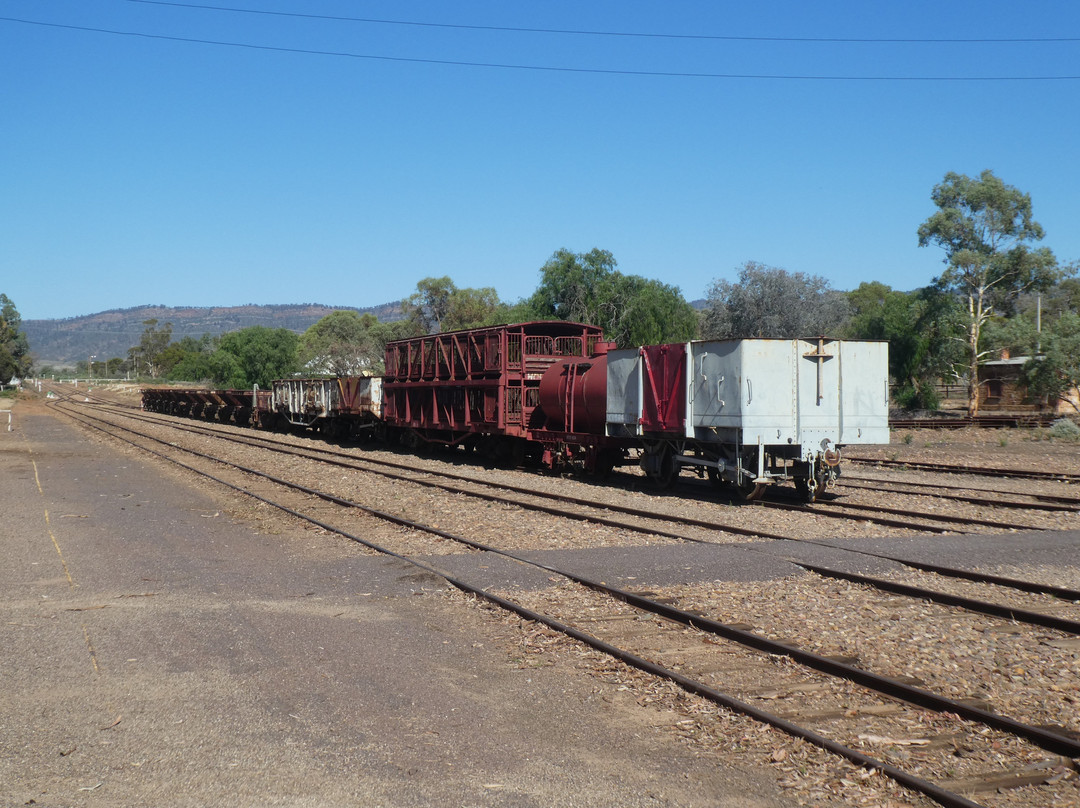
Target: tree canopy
[(259, 355), (586, 288), (919, 327), (240, 359), (151, 345), (986, 229), (439, 305), (15, 358), (770, 302), (1054, 372), (343, 343)]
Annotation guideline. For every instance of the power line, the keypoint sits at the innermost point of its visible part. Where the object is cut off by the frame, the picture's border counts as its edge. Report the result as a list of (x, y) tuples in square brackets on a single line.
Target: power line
[(538, 68), (628, 34)]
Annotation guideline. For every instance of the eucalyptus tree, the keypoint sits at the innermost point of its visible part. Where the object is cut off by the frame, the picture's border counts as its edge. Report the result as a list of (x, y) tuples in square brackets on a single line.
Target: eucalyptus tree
[(343, 343), (439, 305), (921, 329), (632, 310), (14, 349), (770, 302), (1054, 374), (987, 231), (151, 345)]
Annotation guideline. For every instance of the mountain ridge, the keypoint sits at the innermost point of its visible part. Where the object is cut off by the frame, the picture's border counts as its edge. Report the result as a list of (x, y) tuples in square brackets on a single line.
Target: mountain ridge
[(109, 334)]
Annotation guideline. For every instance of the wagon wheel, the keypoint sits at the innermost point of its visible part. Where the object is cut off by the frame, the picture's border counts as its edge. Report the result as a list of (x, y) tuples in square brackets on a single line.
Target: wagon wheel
[(715, 477), (604, 462), (666, 469)]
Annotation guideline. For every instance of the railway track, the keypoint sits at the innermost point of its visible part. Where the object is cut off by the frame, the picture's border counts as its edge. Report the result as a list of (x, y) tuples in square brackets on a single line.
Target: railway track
[(828, 507), (963, 468), (652, 522), (997, 499), (1040, 757), (1019, 421)]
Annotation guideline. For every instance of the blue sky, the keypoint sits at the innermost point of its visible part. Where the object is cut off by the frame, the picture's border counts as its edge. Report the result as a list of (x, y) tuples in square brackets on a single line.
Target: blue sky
[(143, 169)]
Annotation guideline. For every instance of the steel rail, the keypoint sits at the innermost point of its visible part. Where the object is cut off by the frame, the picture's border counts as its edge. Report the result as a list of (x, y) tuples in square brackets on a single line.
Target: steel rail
[(964, 469), (560, 497), (997, 503), (955, 572), (644, 514), (847, 479), (984, 607), (985, 421), (939, 517), (1046, 739), (633, 511), (324, 455)]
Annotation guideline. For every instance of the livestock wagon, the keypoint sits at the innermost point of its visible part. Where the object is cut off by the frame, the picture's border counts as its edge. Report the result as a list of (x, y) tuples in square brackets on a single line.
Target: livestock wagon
[(479, 388)]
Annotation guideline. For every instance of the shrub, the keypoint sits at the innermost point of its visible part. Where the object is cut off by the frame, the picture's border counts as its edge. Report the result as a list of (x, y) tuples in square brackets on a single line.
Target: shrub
[(1064, 429)]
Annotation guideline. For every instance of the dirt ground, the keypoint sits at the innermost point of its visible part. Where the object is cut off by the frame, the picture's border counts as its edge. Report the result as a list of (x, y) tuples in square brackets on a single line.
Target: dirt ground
[(160, 652)]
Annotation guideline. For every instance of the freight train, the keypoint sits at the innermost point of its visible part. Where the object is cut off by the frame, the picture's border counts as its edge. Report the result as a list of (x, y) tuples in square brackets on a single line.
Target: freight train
[(746, 413)]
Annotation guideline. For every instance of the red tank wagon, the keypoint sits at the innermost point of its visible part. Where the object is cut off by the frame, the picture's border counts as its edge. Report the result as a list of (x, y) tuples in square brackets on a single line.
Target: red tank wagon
[(478, 388)]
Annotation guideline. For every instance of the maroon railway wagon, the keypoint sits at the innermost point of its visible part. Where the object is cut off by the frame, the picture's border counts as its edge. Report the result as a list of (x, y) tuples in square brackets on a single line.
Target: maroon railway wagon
[(481, 388)]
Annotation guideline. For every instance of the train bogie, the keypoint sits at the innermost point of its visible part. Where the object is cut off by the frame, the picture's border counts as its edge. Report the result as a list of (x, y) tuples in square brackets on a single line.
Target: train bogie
[(228, 406)]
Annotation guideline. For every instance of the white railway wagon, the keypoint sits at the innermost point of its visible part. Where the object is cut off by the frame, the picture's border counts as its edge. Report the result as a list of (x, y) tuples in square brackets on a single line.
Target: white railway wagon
[(750, 411), (346, 406)]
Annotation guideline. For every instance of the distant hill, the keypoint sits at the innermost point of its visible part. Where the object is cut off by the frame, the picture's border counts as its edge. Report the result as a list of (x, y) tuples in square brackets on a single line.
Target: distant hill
[(109, 334)]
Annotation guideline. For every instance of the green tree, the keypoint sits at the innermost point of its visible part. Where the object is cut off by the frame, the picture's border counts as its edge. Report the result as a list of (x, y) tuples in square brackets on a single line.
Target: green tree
[(1052, 370), (772, 303), (255, 355), (579, 287), (146, 355), (187, 358), (587, 288), (653, 313), (986, 230), (473, 308), (15, 358), (428, 306), (215, 368), (921, 328), (439, 305), (1055, 374), (343, 343)]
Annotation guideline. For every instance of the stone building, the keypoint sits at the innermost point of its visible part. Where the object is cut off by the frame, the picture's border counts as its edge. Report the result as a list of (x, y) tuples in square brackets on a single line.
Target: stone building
[(1002, 388)]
